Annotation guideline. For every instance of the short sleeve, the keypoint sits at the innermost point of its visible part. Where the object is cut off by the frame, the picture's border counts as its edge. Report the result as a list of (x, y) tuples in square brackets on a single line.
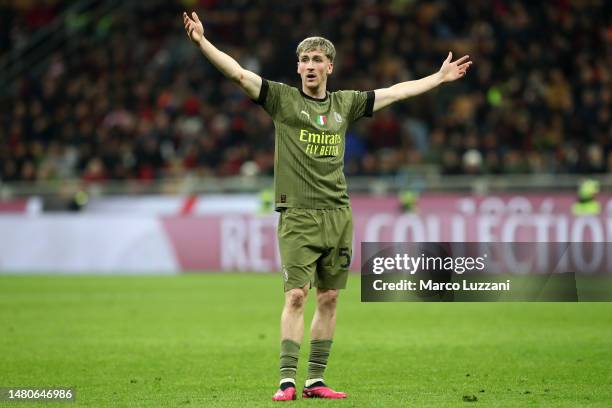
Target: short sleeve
[(362, 104), (270, 95)]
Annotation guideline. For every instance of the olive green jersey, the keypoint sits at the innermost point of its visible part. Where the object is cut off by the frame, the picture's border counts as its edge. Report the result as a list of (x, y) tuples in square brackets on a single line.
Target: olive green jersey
[(310, 142)]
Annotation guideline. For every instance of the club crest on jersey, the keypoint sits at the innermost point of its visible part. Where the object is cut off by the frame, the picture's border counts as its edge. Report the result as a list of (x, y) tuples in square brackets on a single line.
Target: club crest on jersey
[(337, 117), (322, 120)]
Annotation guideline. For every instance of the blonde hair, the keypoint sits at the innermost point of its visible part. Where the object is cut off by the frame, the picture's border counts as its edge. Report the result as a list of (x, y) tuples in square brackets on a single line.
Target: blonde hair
[(317, 43)]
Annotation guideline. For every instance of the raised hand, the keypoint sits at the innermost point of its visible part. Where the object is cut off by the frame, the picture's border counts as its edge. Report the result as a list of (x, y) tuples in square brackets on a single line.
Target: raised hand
[(193, 27), (451, 71)]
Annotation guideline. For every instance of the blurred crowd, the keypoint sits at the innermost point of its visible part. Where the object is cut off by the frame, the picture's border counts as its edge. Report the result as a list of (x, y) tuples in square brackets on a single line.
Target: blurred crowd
[(128, 96)]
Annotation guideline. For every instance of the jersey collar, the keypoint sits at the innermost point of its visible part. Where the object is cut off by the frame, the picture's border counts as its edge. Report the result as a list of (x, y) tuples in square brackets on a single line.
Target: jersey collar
[(315, 99)]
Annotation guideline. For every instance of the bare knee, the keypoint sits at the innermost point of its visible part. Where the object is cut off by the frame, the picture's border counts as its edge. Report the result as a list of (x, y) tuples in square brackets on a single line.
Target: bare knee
[(295, 299), (327, 299)]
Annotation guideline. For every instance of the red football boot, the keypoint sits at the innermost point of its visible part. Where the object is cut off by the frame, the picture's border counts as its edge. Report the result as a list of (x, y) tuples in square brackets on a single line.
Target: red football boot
[(322, 392), (287, 395)]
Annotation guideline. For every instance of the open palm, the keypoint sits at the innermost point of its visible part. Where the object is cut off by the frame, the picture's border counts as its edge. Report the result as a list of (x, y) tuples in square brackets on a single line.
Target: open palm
[(193, 27), (451, 71)]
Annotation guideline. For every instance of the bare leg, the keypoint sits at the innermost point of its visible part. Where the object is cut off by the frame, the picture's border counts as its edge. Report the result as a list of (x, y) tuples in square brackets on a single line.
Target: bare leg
[(292, 318), (324, 320)]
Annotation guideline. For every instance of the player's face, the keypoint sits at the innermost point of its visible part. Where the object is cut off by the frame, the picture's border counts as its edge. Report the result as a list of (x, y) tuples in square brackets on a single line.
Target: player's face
[(314, 67)]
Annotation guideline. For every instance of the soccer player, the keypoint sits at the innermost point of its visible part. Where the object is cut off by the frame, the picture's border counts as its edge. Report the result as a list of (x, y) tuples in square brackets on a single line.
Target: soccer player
[(315, 225)]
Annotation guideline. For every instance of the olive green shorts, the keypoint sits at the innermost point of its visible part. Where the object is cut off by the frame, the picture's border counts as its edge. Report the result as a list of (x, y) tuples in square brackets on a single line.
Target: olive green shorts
[(315, 247)]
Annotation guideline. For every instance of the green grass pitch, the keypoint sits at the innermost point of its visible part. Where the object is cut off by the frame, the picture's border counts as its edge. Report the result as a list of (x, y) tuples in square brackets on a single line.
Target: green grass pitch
[(211, 340)]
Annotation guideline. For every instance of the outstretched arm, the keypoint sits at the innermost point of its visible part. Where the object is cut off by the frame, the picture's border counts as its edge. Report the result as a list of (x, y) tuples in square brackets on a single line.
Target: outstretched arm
[(450, 71), (247, 80)]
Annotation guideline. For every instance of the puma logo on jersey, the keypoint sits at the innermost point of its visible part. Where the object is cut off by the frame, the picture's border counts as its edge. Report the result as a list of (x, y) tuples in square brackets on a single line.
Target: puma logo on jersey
[(306, 113)]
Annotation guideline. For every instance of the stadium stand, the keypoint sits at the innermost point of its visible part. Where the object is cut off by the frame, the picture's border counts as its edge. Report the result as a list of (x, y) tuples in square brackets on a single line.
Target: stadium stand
[(102, 90)]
